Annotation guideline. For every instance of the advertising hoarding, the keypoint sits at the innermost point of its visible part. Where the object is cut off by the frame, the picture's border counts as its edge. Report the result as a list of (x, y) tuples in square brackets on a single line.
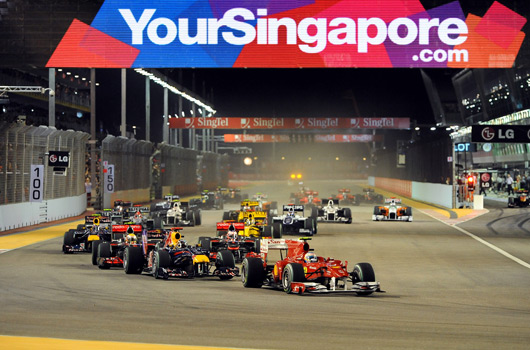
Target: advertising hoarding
[(289, 123), (289, 34)]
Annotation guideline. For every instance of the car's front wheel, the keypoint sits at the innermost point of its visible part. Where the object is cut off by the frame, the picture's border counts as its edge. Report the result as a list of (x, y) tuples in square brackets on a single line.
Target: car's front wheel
[(292, 273)]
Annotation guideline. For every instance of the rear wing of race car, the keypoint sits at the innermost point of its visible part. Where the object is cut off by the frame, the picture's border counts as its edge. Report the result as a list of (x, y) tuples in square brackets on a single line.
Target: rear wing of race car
[(333, 201), (123, 228), (344, 190), (292, 207), (248, 203), (92, 220), (224, 226), (392, 201), (140, 209)]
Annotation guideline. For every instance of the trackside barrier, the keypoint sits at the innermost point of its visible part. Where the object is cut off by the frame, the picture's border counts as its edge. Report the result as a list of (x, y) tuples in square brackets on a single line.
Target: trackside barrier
[(439, 194), (30, 213), (178, 170), (22, 146)]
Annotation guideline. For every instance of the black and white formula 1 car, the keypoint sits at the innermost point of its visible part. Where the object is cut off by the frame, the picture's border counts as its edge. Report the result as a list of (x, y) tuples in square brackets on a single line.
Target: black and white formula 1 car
[(333, 213), (292, 223), (392, 210)]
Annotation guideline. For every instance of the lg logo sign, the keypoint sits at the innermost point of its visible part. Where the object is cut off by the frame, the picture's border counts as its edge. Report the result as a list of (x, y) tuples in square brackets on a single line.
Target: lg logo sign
[(488, 134)]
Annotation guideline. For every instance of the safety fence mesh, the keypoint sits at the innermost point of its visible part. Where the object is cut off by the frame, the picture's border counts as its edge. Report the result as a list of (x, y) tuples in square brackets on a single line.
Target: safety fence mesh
[(22, 146)]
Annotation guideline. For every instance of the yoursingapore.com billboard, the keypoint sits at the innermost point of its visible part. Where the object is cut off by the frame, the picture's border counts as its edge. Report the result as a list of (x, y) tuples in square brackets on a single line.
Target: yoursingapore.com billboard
[(291, 33)]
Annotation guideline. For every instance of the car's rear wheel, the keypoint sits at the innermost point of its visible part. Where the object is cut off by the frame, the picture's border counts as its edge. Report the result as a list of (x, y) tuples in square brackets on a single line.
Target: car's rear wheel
[(104, 252), (162, 259), (225, 258), (95, 245), (133, 260), (308, 225), (252, 273), (190, 215), (80, 227), (226, 215), (68, 240), (363, 272), (277, 230), (347, 215), (198, 218), (292, 273)]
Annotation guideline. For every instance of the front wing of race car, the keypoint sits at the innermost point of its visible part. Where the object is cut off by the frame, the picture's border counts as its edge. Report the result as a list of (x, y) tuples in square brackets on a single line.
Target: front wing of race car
[(312, 287)]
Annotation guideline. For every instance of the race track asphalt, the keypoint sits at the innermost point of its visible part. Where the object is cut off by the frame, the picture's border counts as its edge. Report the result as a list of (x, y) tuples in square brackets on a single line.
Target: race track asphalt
[(450, 284)]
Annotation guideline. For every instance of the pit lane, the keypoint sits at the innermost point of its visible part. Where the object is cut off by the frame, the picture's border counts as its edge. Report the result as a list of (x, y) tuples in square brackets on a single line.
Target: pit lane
[(444, 290)]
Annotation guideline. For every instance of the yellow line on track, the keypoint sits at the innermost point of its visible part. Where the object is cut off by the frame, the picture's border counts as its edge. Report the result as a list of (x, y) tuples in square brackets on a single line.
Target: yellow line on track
[(31, 343), (17, 240)]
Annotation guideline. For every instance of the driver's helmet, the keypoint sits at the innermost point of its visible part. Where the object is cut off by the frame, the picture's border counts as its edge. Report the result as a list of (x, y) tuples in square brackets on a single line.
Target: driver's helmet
[(131, 238), (181, 244), (174, 238), (232, 233), (251, 220), (310, 257)]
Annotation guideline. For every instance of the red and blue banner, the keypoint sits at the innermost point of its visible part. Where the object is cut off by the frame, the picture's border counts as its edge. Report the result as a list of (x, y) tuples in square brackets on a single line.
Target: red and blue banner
[(290, 33)]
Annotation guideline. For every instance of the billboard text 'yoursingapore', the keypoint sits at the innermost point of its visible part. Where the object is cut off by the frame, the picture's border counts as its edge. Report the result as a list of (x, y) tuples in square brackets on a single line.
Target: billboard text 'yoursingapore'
[(290, 33)]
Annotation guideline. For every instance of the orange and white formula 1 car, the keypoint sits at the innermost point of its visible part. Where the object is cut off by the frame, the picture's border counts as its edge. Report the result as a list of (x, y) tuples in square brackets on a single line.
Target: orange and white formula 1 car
[(392, 210)]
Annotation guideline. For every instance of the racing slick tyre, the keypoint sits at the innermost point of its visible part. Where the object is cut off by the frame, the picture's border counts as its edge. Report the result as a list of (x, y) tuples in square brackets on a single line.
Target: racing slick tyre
[(80, 227), (205, 243), (252, 273), (267, 231), (157, 223), (308, 225), (408, 212), (225, 258), (277, 230), (315, 230), (226, 215), (347, 215), (363, 272), (190, 215), (314, 213), (161, 259), (274, 205), (133, 260), (104, 251), (257, 245), (377, 211), (292, 272), (95, 245), (68, 240), (198, 218)]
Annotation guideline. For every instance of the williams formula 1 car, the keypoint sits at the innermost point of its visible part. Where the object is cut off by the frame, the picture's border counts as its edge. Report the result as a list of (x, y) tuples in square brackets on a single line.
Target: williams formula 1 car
[(300, 270), (292, 223)]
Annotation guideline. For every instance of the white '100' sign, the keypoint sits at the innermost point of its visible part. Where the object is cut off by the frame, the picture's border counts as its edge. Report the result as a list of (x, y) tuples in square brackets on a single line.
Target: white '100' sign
[(36, 188)]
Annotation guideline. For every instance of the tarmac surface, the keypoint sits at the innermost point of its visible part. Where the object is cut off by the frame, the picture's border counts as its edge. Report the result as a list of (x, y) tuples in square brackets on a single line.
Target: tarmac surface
[(454, 279)]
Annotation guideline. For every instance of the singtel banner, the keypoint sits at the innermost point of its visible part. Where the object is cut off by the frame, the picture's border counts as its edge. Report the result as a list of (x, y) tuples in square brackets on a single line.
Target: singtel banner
[(289, 123), (291, 33), (319, 138)]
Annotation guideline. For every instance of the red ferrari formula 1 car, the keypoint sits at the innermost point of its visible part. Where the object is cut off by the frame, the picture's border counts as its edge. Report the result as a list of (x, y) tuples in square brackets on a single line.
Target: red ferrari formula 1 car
[(300, 270)]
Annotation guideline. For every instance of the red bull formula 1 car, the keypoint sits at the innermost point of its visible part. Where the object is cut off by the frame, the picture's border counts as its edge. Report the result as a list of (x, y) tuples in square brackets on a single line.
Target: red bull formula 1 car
[(392, 210), (300, 270)]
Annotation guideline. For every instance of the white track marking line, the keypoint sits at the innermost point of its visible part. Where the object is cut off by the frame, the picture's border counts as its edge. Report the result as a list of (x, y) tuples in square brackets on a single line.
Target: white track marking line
[(486, 243)]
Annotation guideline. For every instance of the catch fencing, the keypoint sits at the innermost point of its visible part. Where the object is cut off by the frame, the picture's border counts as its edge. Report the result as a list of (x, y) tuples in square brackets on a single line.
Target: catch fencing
[(21, 146)]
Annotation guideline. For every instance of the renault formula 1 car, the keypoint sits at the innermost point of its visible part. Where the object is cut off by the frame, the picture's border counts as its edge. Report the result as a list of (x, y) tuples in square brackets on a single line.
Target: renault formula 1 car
[(332, 213), (392, 210), (520, 200), (292, 223), (300, 270)]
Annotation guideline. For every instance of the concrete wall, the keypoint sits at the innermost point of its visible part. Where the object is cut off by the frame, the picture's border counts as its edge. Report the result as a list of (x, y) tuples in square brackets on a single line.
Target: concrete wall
[(26, 214), (439, 194)]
